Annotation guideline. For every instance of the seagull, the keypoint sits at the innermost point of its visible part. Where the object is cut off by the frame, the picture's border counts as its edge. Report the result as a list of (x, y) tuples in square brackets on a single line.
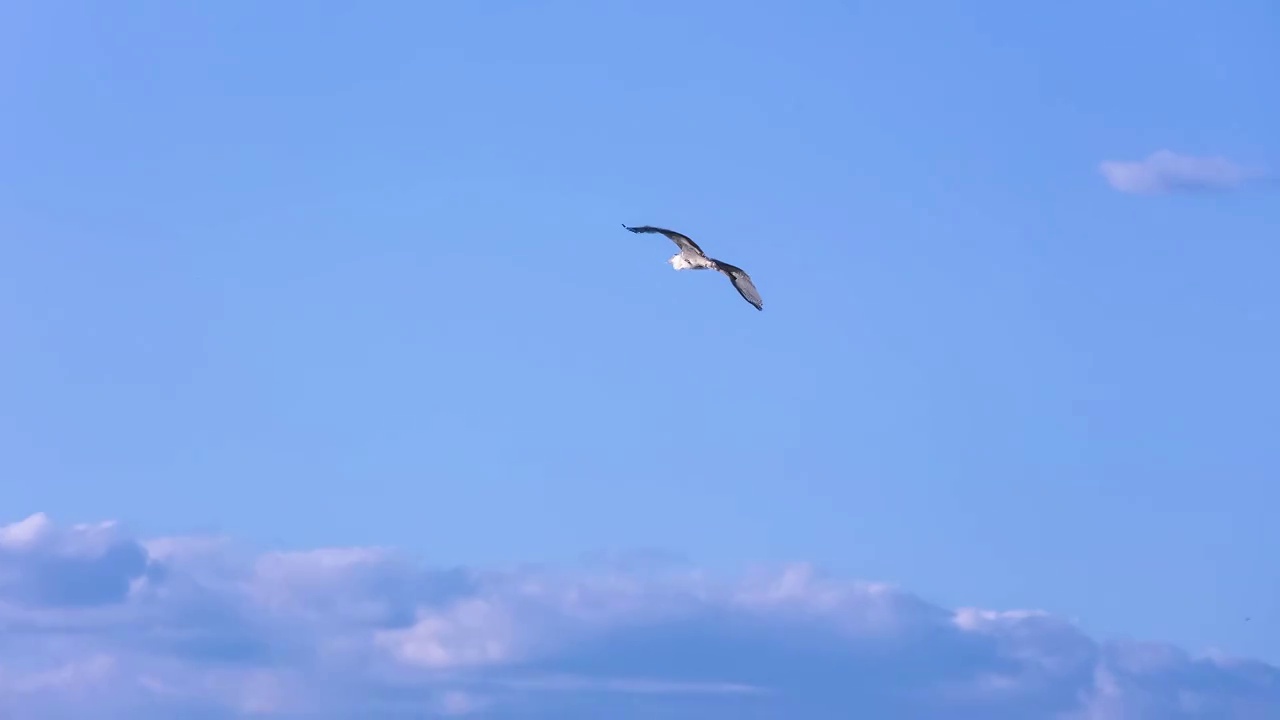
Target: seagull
[(691, 257)]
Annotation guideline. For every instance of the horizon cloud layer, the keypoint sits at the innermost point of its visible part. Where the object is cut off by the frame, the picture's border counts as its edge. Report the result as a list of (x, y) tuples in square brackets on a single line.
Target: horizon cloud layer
[(96, 620)]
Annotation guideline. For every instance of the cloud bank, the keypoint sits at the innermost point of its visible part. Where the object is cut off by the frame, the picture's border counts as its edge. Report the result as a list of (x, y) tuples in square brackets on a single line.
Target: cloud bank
[(1168, 172), (96, 623)]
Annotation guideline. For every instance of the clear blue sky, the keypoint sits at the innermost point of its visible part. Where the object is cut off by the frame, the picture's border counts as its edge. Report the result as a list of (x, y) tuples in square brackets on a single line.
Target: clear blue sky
[(331, 273)]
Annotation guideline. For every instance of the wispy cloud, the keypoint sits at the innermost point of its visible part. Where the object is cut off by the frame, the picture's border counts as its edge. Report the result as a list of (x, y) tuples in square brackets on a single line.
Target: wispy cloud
[(97, 623), (1166, 172)]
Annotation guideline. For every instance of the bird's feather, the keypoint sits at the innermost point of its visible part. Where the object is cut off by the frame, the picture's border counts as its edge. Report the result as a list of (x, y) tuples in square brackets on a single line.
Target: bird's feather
[(742, 283), (683, 241)]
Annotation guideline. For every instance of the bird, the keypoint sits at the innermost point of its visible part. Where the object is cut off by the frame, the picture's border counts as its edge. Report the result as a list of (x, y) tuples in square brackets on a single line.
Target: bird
[(691, 257)]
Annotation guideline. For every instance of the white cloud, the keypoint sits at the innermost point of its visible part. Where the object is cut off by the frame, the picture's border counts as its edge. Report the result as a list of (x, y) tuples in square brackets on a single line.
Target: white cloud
[(1165, 172), (96, 623)]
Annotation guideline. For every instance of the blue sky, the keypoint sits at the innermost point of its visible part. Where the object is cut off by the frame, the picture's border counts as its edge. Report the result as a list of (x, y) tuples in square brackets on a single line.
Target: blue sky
[(320, 275)]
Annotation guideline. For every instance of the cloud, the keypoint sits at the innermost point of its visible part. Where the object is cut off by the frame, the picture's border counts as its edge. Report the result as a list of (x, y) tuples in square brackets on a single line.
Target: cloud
[(1167, 172), (97, 623), (85, 565)]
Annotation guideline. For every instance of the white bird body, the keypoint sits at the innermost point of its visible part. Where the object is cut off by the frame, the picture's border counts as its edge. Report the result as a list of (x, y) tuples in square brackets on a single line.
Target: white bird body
[(691, 257), (690, 261)]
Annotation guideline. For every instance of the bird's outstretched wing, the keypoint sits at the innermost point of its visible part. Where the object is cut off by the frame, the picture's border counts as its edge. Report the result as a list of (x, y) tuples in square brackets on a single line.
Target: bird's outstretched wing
[(679, 239), (742, 283)]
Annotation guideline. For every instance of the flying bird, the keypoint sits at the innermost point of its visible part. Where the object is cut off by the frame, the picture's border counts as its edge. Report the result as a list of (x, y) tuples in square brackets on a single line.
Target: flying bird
[(691, 257)]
